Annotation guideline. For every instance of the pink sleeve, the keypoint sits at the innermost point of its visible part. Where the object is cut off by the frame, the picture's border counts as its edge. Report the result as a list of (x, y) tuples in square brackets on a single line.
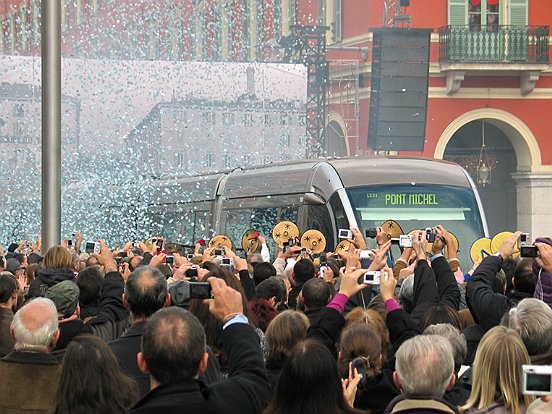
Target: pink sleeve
[(338, 302), (391, 305)]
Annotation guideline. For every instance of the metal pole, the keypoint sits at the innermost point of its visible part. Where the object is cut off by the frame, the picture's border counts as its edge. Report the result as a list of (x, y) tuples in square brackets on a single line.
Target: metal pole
[(51, 123)]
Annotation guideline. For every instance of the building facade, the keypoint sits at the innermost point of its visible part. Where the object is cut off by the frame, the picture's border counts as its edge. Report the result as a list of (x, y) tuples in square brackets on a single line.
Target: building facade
[(490, 77)]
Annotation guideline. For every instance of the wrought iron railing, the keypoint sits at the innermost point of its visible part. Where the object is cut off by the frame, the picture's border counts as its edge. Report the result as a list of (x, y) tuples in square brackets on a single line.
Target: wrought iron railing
[(498, 44)]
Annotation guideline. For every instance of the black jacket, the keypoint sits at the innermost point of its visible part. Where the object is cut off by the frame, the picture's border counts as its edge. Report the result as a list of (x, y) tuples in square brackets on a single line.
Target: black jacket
[(245, 391), (46, 278), (486, 305), (435, 285), (127, 347)]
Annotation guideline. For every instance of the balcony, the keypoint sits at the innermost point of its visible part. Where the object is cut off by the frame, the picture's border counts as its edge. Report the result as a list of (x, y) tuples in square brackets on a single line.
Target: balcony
[(505, 50)]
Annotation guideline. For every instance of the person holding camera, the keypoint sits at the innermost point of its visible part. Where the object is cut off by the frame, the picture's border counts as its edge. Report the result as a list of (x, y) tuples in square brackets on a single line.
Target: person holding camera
[(173, 355)]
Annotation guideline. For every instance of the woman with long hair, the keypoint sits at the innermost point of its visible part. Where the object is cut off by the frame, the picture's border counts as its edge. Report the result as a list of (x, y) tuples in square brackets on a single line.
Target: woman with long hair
[(497, 374), (309, 383), (284, 332), (91, 381), (360, 345)]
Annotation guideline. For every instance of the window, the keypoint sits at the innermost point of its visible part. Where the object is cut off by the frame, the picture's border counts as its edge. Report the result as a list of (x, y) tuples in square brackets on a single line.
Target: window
[(227, 161), (285, 140), (267, 120), (209, 160), (337, 27), (248, 119), (208, 117), (227, 118), (284, 119), (322, 12)]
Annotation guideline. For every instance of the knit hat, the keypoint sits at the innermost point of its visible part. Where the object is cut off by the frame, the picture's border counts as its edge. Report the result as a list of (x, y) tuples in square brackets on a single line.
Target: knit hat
[(12, 265), (65, 296)]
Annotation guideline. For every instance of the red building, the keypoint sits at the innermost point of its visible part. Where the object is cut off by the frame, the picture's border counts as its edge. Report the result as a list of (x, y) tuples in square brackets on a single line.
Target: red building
[(488, 74), (489, 82)]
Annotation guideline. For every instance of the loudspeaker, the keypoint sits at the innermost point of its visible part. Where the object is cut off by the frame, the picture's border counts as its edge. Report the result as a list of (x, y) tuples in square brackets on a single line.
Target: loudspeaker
[(399, 85)]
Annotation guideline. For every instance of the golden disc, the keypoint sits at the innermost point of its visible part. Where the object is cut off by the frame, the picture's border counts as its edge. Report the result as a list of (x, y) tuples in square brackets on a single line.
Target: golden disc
[(220, 240), (480, 248), (250, 243), (344, 246), (284, 230), (497, 240), (392, 228), (313, 240)]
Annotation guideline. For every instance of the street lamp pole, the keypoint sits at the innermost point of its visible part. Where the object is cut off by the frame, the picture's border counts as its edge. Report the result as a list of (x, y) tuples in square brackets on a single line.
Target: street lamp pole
[(51, 123)]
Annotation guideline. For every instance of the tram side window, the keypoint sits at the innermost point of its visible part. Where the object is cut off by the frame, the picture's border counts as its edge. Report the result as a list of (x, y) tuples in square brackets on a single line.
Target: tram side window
[(338, 212), (318, 218)]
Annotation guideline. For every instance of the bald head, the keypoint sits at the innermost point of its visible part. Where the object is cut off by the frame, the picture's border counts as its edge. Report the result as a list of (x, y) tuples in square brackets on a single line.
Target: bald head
[(35, 326), (146, 291)]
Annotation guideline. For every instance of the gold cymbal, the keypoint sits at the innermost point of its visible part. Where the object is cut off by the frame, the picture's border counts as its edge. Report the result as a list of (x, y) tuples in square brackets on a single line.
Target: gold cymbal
[(151, 241), (313, 240), (479, 248), (220, 240), (250, 243), (284, 230), (392, 228), (344, 246)]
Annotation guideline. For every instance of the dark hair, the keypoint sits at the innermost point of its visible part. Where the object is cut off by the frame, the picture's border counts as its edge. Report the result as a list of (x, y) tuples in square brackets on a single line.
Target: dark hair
[(146, 291), (524, 278), (91, 380), (271, 287), (30, 272), (173, 343), (212, 325), (309, 383), (316, 293), (8, 285), (262, 271), (303, 270), (89, 281), (440, 314), (263, 312), (165, 269), (360, 340)]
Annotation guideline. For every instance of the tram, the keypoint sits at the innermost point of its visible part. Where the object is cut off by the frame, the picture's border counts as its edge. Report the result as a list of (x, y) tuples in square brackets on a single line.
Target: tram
[(325, 195)]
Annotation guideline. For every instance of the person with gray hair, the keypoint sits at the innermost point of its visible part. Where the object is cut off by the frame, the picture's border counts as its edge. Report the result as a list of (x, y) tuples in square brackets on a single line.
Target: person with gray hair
[(460, 393), (29, 375), (424, 371), (532, 320)]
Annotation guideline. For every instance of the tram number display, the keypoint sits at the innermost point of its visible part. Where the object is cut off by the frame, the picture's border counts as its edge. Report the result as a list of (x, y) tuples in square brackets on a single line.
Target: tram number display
[(403, 199)]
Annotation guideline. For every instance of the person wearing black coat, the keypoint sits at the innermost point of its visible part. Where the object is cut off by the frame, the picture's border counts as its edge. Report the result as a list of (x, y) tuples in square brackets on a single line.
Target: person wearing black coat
[(172, 352)]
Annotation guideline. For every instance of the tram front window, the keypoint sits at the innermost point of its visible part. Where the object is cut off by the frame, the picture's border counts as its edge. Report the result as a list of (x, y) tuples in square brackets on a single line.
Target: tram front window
[(416, 207)]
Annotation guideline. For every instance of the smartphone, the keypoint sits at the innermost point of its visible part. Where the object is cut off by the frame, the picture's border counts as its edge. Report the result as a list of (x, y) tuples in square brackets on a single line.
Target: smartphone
[(345, 234), (69, 243), (200, 290)]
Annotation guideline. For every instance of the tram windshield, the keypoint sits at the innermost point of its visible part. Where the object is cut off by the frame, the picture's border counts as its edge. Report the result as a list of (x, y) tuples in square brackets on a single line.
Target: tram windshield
[(416, 207)]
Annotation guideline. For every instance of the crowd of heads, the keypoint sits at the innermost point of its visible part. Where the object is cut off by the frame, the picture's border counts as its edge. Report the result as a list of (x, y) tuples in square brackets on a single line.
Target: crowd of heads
[(329, 341)]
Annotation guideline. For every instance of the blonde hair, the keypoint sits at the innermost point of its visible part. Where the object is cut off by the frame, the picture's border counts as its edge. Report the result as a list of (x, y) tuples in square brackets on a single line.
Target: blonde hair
[(284, 332), (57, 257), (497, 371), (373, 319)]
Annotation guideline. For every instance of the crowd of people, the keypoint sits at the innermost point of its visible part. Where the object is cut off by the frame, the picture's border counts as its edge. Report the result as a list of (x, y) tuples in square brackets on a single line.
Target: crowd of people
[(151, 329)]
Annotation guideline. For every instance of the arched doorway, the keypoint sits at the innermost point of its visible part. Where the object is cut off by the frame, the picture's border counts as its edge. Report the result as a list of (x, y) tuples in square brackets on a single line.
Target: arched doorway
[(499, 196), (334, 138), (511, 148)]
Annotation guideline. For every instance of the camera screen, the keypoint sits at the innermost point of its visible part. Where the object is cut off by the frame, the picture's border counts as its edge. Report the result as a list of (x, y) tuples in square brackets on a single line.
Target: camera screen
[(538, 382), (344, 233), (90, 246), (226, 261), (200, 290), (528, 251), (169, 259)]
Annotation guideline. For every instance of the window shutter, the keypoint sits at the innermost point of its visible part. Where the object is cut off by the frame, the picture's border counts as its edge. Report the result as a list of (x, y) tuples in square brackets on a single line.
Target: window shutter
[(457, 12), (517, 13)]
